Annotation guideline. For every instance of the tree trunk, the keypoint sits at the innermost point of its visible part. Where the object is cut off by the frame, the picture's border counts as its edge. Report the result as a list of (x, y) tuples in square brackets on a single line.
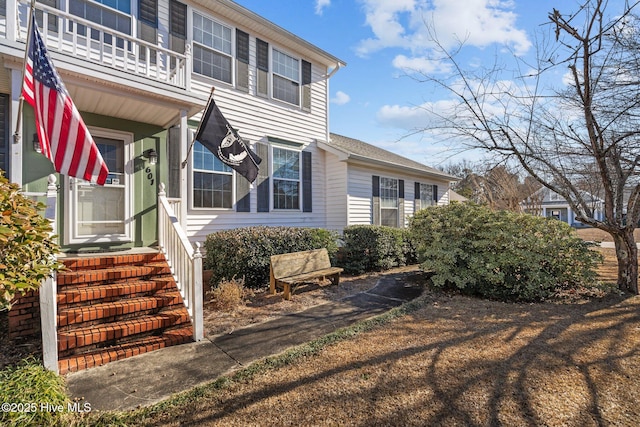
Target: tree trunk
[(627, 254)]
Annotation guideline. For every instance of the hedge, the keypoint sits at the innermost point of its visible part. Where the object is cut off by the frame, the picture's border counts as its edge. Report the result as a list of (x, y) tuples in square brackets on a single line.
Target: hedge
[(245, 252), (375, 248)]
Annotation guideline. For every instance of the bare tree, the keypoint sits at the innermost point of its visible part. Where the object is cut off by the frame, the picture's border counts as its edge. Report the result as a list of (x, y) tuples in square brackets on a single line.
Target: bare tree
[(496, 186), (580, 141)]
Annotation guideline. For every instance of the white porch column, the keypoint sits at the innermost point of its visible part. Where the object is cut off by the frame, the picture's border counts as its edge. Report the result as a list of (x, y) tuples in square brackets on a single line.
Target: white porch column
[(49, 292), (184, 175), (15, 153)]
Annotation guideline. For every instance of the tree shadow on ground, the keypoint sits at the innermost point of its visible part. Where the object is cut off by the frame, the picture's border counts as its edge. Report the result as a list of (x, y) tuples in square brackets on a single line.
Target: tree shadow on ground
[(456, 361)]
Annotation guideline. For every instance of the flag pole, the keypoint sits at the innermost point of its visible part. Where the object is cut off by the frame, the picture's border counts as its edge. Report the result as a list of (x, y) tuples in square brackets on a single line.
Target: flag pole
[(193, 141), (18, 133)]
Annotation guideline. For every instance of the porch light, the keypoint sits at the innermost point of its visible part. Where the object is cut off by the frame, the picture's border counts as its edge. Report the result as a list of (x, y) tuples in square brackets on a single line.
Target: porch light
[(152, 155), (36, 144)]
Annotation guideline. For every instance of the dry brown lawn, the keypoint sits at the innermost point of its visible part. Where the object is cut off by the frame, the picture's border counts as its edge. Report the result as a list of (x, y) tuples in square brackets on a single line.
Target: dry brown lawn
[(454, 361)]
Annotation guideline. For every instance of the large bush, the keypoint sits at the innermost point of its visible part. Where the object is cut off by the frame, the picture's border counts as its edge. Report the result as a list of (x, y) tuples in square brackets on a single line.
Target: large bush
[(245, 252), (26, 247), (375, 248), (501, 255)]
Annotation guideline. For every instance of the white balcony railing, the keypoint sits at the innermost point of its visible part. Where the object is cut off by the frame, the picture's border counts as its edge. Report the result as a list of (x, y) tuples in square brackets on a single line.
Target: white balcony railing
[(184, 260), (86, 40)]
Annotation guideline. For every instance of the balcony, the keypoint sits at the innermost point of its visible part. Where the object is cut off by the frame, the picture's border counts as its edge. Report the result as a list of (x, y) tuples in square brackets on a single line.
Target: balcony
[(84, 40)]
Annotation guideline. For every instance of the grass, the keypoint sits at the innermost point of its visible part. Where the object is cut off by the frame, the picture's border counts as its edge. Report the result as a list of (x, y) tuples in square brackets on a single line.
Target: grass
[(439, 360)]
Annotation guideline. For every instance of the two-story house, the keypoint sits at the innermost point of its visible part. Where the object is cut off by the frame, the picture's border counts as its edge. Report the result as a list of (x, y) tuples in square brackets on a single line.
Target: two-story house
[(140, 73)]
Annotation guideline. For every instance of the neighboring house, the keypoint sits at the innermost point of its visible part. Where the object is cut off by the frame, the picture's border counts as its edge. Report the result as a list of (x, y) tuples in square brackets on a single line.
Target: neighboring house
[(550, 204), (368, 185)]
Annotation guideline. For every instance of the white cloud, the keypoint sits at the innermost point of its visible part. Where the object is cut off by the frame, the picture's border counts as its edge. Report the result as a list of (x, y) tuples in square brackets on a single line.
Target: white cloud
[(422, 65), (405, 24), (341, 98), (321, 5)]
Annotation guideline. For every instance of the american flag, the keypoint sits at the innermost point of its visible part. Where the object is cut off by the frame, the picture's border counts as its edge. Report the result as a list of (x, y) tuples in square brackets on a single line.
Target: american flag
[(63, 136)]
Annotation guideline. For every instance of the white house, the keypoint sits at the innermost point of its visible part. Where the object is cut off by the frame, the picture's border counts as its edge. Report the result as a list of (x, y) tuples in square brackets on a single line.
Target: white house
[(140, 73)]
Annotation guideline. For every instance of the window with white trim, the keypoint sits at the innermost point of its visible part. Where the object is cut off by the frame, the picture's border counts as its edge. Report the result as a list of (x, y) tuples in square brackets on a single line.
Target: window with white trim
[(286, 78), (286, 179), (212, 55), (212, 180), (114, 14), (389, 202), (426, 196)]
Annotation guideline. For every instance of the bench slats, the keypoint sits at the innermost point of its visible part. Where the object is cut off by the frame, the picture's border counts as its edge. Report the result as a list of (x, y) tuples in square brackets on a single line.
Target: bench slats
[(299, 267)]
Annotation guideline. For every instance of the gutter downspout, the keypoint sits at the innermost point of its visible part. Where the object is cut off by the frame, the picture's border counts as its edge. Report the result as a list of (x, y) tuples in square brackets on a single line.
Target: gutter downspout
[(327, 77)]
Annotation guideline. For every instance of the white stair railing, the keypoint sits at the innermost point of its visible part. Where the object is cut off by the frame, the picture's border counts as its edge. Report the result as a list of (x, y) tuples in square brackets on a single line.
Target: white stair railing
[(184, 260)]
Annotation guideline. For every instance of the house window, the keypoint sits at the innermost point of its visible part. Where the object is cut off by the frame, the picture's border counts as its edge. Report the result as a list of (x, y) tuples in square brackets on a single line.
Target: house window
[(286, 78), (212, 180), (389, 202), (286, 179), (114, 14), (211, 48), (426, 196)]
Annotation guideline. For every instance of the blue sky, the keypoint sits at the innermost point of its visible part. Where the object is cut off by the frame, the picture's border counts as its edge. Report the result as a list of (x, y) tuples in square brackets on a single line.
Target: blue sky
[(372, 98)]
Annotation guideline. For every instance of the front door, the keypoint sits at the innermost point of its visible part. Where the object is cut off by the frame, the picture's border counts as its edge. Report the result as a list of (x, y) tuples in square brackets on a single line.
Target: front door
[(102, 214)]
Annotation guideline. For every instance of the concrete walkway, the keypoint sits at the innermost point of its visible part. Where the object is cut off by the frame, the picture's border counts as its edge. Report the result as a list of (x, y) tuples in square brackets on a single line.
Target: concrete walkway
[(153, 377)]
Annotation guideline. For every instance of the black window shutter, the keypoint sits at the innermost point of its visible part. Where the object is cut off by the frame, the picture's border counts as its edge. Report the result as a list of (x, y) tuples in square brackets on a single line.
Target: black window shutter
[(242, 46), (307, 199), (306, 72), (243, 192), (149, 12), (401, 203), (262, 150), (375, 193), (178, 19), (262, 55), (435, 194), (262, 63), (416, 197)]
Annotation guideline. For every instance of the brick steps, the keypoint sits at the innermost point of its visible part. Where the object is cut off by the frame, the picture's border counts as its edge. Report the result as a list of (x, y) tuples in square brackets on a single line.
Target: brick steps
[(117, 306), (113, 291), (109, 310), (92, 335), (118, 352)]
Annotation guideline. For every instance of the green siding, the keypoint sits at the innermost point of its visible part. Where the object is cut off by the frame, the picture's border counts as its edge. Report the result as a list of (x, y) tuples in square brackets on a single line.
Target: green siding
[(146, 178)]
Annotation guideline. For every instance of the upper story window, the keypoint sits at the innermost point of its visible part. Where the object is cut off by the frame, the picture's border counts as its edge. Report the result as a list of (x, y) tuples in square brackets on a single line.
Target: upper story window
[(286, 179), (211, 49), (286, 78), (212, 180), (114, 14)]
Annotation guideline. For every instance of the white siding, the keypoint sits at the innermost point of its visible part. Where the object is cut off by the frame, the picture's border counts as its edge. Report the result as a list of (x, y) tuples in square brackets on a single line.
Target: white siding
[(360, 192), (336, 185), (257, 118), (202, 222)]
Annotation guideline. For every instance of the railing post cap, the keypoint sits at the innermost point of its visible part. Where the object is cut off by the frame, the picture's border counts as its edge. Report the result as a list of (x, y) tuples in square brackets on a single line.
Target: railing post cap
[(162, 189), (198, 253), (52, 179)]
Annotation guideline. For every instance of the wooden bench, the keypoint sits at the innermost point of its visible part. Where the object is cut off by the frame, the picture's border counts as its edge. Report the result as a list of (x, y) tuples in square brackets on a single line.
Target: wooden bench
[(300, 267)]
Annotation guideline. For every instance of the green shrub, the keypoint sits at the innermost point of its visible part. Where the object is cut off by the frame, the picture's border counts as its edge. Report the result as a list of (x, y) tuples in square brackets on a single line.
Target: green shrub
[(501, 255), (26, 247), (245, 252), (375, 248), (29, 386)]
